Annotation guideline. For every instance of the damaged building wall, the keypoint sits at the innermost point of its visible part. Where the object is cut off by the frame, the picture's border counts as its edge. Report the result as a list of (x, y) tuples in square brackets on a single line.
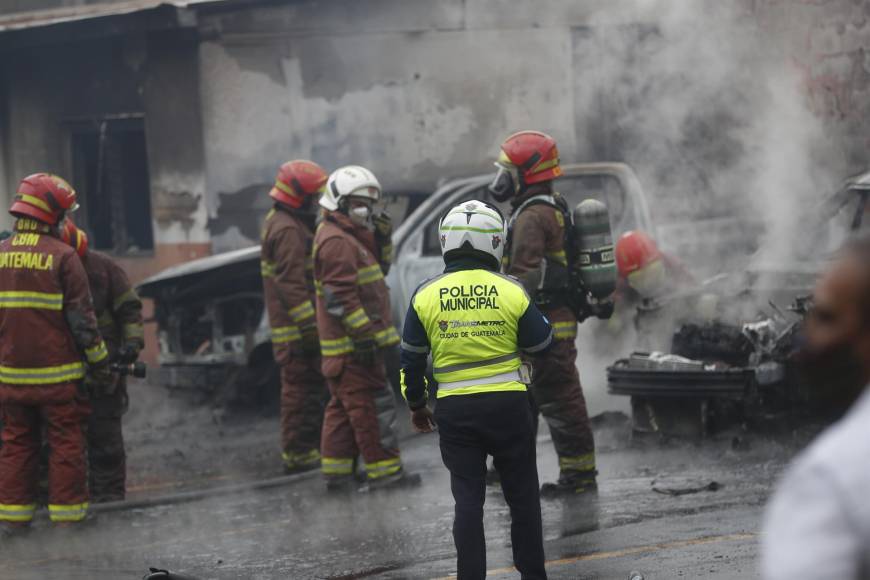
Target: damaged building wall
[(403, 88), (91, 85)]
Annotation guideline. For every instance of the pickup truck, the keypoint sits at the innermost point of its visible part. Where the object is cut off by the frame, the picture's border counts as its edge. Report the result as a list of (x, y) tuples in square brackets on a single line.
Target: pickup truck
[(212, 325)]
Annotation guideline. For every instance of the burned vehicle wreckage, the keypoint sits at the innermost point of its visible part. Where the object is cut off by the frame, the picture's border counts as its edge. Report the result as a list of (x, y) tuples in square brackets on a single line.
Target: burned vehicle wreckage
[(213, 329), (730, 344)]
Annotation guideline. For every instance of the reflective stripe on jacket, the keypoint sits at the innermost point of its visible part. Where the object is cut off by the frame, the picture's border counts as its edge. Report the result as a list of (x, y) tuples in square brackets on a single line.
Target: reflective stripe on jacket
[(353, 300)]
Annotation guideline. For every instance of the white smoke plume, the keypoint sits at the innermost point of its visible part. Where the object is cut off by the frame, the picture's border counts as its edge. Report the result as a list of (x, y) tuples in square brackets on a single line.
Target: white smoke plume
[(707, 103)]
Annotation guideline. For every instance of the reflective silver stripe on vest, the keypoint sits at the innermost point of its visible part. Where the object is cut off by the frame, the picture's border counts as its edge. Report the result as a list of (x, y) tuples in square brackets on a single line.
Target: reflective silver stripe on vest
[(509, 376), (477, 364)]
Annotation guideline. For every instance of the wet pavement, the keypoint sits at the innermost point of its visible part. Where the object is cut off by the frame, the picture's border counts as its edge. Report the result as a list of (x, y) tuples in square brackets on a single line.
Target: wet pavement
[(298, 531)]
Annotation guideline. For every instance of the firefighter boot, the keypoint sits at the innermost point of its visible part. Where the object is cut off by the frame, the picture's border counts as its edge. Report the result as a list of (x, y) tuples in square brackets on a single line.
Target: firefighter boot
[(579, 484), (295, 463), (400, 480)]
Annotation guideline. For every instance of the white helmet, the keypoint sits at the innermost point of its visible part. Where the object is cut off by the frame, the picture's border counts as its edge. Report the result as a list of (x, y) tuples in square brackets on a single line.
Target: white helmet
[(350, 180), (473, 226)]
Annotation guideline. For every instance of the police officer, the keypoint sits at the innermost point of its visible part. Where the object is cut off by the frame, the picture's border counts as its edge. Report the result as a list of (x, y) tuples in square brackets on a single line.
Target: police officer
[(474, 321)]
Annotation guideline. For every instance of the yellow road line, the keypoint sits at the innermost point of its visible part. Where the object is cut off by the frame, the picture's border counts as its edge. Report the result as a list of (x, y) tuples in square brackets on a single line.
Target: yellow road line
[(628, 552)]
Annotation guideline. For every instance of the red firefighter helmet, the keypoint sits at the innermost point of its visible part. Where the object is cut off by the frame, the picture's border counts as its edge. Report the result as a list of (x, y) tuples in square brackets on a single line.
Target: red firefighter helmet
[(44, 197), (635, 250), (74, 237), (297, 180), (534, 154)]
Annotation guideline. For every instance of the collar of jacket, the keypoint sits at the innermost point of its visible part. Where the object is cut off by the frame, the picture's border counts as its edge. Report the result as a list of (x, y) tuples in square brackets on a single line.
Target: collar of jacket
[(459, 263), (545, 188)]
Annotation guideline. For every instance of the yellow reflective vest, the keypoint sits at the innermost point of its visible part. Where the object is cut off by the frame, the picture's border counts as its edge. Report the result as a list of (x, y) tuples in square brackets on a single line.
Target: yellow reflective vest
[(471, 318)]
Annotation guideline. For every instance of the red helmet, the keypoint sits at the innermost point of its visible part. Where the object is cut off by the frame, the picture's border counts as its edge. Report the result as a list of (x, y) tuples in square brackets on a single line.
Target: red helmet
[(44, 197), (297, 180), (75, 237), (635, 250), (534, 154)]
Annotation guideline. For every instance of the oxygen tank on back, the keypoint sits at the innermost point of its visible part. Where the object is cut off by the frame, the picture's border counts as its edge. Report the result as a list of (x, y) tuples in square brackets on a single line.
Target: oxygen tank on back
[(594, 258)]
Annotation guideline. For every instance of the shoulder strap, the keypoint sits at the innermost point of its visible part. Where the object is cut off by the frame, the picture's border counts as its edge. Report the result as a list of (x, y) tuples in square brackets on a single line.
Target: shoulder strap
[(534, 200)]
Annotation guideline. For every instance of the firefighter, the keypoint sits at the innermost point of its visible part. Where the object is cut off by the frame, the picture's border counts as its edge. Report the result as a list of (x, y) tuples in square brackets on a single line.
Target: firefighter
[(355, 324), (655, 294), (119, 318), (48, 341), (288, 285), (474, 321), (536, 254), (645, 272)]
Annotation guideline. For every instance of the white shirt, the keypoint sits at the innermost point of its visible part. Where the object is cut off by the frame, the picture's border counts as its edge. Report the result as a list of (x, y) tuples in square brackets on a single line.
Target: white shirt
[(818, 523)]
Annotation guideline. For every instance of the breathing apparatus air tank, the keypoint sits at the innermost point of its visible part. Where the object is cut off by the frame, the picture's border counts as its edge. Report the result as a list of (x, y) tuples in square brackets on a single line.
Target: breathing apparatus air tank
[(594, 259)]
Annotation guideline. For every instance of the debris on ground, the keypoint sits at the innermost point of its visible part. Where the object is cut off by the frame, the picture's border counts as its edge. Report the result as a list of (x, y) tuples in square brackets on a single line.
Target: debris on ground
[(686, 488)]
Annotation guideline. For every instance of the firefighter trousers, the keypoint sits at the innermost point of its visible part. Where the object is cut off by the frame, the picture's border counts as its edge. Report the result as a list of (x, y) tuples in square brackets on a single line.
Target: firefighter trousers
[(302, 396), (498, 424), (557, 394), (23, 427), (107, 458), (360, 419)]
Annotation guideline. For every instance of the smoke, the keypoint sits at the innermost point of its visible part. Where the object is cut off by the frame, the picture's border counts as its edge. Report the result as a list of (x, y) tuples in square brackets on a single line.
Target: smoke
[(705, 101)]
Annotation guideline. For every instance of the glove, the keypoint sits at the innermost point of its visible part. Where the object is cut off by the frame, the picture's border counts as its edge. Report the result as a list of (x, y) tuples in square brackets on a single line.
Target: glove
[(100, 381), (364, 351), (383, 227), (310, 340), (128, 353)]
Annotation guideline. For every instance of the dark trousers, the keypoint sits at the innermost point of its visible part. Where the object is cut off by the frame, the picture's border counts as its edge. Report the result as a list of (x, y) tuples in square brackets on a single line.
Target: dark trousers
[(498, 424)]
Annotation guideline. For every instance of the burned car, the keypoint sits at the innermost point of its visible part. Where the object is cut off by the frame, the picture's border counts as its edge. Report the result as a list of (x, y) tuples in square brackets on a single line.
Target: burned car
[(734, 364), (213, 328)]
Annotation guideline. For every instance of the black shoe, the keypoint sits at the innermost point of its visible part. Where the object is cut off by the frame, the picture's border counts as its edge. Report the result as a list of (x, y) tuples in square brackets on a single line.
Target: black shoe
[(400, 480), (586, 488)]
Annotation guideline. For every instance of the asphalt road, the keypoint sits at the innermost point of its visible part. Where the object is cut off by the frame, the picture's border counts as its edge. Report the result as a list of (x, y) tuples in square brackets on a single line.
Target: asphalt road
[(298, 531)]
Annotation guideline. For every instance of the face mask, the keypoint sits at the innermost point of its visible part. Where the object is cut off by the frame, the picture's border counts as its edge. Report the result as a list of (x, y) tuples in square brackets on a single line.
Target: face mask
[(649, 281), (361, 216)]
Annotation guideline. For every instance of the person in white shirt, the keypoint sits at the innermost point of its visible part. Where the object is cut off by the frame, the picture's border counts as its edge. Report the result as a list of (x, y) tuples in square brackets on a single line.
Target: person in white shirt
[(817, 524)]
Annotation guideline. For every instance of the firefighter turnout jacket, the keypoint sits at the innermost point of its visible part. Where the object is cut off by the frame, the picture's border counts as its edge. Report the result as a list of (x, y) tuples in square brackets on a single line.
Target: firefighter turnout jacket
[(116, 304), (48, 330), (353, 300), (288, 280), (536, 238), (474, 322)]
